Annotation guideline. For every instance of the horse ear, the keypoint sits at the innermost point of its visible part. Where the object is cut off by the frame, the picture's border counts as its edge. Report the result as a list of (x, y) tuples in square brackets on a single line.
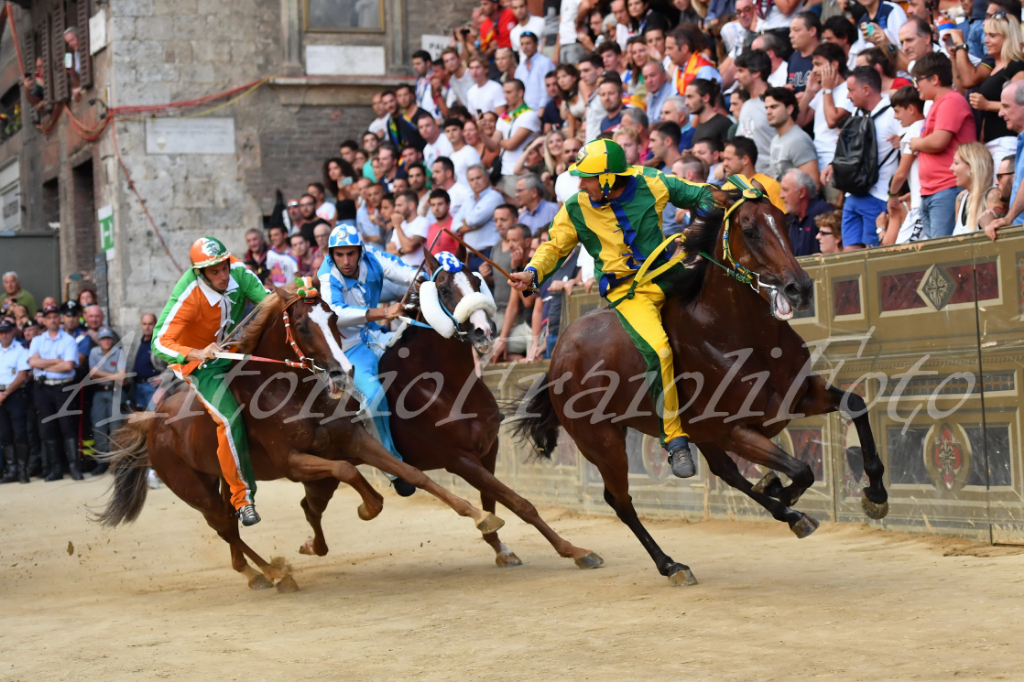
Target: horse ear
[(430, 263), (316, 281), (280, 292), (722, 198), (757, 184)]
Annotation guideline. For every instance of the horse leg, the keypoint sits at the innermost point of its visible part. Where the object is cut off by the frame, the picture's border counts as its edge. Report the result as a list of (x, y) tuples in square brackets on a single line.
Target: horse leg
[(875, 499), (482, 478), (371, 452), (755, 447), (227, 528), (503, 556), (318, 494), (606, 447), (306, 468), (721, 465)]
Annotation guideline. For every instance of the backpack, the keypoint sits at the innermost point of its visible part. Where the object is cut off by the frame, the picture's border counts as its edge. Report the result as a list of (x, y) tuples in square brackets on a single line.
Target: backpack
[(855, 165)]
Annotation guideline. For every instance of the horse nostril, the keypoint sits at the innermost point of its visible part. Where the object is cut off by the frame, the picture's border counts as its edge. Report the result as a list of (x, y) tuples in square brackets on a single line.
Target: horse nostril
[(793, 291)]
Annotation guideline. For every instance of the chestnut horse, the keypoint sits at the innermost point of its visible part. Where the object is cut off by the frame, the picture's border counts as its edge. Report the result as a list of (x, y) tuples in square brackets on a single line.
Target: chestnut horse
[(442, 414), (749, 373), (302, 435)]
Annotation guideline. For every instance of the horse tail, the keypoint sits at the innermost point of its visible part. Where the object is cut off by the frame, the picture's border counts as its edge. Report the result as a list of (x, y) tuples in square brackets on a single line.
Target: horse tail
[(538, 424), (129, 462)]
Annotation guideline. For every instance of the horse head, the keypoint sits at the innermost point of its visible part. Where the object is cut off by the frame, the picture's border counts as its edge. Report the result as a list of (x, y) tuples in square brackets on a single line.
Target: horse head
[(755, 247), (312, 336), (457, 302)]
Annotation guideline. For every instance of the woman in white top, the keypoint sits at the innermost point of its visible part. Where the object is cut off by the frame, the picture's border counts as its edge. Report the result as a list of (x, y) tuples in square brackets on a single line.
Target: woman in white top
[(574, 102), (972, 166)]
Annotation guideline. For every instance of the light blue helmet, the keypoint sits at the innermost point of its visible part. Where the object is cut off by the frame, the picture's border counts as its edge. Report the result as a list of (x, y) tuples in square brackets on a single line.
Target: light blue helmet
[(345, 234)]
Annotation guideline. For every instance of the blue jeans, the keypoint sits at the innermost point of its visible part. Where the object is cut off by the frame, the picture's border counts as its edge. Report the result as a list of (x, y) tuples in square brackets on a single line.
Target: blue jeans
[(938, 213), (144, 392), (550, 346), (364, 361), (859, 214)]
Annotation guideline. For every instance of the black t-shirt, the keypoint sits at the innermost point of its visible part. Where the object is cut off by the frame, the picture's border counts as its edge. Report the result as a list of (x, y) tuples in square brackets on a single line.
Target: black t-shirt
[(307, 230), (799, 70), (992, 126), (717, 128), (552, 114)]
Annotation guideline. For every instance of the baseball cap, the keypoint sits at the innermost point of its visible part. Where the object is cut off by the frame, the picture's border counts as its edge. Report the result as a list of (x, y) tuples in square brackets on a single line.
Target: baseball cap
[(6, 326), (50, 309), (104, 333)]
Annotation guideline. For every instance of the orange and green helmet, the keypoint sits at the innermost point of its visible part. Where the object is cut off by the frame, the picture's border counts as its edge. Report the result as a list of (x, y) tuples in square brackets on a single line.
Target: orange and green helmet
[(602, 159), (207, 252)]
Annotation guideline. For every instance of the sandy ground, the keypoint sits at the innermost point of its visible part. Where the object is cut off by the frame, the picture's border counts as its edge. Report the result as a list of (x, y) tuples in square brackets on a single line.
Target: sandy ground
[(415, 595)]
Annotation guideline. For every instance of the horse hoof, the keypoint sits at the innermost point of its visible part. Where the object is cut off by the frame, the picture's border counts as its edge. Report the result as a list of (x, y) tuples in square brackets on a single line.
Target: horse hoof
[(766, 481), (804, 527), (307, 548), (366, 514), (259, 582), (682, 578), (507, 560), (287, 584), (489, 524), (589, 560), (874, 510)]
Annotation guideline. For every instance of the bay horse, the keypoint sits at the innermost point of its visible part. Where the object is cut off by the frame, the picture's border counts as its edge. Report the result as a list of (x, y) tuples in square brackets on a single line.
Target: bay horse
[(302, 435), (724, 335), (442, 415)]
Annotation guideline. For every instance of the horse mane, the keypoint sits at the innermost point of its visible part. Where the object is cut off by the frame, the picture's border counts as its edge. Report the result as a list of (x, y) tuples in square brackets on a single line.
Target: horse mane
[(266, 312), (700, 236)]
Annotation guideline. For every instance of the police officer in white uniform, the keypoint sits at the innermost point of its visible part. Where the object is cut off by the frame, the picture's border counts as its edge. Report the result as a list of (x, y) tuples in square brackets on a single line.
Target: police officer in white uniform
[(14, 371), (55, 354)]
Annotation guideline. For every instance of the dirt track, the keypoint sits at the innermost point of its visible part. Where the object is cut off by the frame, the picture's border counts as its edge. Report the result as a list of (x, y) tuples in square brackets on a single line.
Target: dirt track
[(158, 600)]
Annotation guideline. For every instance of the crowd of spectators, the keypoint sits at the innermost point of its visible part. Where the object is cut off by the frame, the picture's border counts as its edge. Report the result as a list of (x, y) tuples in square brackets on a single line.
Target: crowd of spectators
[(867, 124), (61, 359)]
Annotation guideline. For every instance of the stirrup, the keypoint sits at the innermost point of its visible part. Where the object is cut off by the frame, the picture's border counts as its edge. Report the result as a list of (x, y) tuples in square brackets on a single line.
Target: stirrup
[(248, 516)]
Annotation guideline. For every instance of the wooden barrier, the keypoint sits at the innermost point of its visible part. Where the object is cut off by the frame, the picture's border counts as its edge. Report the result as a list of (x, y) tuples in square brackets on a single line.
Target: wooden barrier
[(929, 334)]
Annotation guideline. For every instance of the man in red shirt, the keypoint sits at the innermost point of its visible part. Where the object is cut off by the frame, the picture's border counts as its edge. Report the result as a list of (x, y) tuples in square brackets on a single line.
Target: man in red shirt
[(503, 21), (440, 203), (949, 124)]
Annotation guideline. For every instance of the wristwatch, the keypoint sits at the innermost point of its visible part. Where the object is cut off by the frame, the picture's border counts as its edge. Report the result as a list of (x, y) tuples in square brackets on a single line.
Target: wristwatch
[(891, 47), (827, 91)]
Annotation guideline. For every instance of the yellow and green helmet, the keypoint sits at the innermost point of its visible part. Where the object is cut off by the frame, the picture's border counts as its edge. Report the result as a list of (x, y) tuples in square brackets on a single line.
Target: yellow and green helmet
[(602, 159)]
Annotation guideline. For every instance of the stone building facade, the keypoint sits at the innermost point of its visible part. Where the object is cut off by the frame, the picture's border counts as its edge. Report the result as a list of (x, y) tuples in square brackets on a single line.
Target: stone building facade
[(321, 61)]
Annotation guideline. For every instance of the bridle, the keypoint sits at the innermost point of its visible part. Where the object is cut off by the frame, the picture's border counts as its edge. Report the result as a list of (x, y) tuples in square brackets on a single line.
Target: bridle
[(739, 272), (460, 333), (304, 362)]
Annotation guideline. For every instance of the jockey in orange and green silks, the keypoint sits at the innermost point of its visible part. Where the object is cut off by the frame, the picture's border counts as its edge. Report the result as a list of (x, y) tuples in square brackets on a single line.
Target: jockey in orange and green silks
[(206, 305), (617, 217)]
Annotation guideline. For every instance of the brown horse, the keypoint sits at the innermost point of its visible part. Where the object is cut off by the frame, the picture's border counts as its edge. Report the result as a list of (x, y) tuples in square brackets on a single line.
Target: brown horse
[(442, 414), (749, 374), (302, 435)]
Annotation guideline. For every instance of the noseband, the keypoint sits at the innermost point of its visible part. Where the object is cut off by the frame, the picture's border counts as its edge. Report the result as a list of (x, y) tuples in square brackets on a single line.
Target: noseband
[(738, 272), (304, 361)]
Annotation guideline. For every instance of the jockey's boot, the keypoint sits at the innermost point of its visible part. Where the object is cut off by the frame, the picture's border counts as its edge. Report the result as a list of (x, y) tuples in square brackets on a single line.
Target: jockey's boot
[(51, 461), (74, 459), (22, 451), (10, 466), (248, 516), (403, 488), (679, 457)]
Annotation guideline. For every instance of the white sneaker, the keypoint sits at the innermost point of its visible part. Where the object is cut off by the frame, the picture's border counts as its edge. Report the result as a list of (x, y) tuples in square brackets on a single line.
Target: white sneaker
[(152, 480)]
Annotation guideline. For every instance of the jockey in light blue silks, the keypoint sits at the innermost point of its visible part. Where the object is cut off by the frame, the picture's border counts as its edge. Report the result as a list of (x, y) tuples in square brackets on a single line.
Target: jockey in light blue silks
[(351, 279)]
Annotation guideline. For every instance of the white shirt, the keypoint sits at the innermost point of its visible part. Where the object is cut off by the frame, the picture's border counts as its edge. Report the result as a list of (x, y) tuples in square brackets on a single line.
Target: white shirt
[(776, 18), (417, 227), (379, 125), (894, 21), (328, 211), (778, 77), (733, 35), (439, 147), (567, 22), (460, 194), (825, 138), (485, 98), (534, 25), (528, 120), (462, 160), (282, 267), (914, 179), (566, 185), (458, 89), (595, 114), (753, 124), (885, 125), (622, 35), (13, 359)]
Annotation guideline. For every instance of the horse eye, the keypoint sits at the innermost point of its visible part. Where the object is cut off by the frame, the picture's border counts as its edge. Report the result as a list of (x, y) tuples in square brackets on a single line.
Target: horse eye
[(303, 328), (751, 232)]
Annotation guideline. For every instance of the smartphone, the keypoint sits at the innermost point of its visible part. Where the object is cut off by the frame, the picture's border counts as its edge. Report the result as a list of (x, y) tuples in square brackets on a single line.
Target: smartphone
[(464, 31), (870, 30), (948, 41), (75, 276)]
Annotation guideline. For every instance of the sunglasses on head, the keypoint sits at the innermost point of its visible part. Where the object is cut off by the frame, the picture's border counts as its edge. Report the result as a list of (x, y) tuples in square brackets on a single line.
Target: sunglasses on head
[(997, 15)]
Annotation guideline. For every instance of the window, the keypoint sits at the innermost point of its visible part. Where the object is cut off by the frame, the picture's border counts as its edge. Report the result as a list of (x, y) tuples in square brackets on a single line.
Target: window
[(10, 113), (345, 15), (10, 198)]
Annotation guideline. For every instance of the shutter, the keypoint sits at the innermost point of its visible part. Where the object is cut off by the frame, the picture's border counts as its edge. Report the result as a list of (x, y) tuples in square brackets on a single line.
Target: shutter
[(44, 48), (28, 51), (61, 91), (85, 59)]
